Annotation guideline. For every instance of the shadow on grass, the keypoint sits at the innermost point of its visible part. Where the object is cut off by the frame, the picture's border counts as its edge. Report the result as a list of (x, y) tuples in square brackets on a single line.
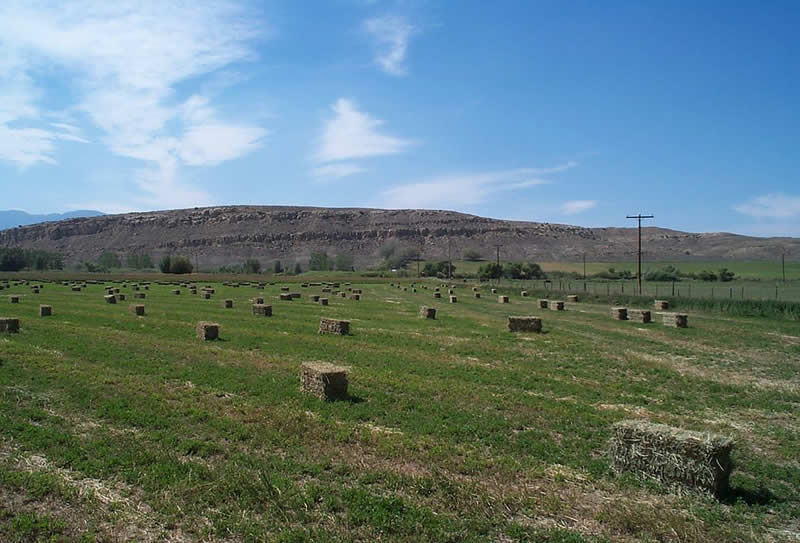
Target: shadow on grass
[(750, 496)]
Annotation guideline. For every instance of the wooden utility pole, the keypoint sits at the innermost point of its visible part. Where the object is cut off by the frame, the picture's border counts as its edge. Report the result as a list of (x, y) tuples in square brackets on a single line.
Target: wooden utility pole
[(584, 266), (498, 253), (639, 217), (449, 261)]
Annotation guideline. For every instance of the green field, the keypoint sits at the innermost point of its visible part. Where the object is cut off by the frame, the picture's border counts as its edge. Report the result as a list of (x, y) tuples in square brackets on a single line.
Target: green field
[(117, 427)]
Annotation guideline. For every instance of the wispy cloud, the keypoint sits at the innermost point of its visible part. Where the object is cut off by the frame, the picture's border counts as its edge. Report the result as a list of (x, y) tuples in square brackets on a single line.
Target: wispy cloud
[(127, 59), (456, 190), (353, 134), (771, 206), (336, 171), (573, 207), (390, 35)]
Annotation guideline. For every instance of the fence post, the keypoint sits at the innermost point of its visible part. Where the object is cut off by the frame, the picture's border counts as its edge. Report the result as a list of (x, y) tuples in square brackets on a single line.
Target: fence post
[(731, 292), (584, 286), (608, 289), (742, 293), (712, 293), (673, 287), (776, 292)]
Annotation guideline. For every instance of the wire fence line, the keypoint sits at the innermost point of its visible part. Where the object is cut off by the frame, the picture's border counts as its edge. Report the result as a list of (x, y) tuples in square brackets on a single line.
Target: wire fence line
[(734, 290)]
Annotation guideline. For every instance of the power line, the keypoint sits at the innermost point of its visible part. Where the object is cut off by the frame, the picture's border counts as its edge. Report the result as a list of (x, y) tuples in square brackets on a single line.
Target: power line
[(639, 274)]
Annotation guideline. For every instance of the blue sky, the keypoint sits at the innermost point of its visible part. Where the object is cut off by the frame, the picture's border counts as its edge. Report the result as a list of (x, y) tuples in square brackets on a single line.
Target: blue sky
[(560, 111)]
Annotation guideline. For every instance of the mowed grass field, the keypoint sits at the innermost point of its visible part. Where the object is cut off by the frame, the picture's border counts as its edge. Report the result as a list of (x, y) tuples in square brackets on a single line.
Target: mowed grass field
[(117, 427)]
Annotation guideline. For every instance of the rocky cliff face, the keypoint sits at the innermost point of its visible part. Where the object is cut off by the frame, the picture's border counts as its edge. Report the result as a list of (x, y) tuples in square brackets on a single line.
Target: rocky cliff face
[(223, 235)]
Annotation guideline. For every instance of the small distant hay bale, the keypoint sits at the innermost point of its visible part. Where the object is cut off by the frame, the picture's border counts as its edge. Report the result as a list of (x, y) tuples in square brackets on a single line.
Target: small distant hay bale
[(661, 305), (13, 299), (284, 289), (45, 310), (544, 304), (474, 289), (437, 294), (450, 291), (326, 290), (206, 296), (258, 300), (453, 299), (110, 299), (436, 289), (35, 290), (116, 291), (524, 324), (414, 290), (139, 295), (639, 315), (494, 291), (324, 381), (572, 298), (295, 295), (207, 330), (323, 301), (619, 313), (334, 326), (502, 299), (557, 305), (303, 285), (426, 312), (285, 296), (9, 325), (262, 310), (355, 296), (356, 291), (176, 291), (314, 297), (676, 320), (120, 297), (76, 288), (523, 293), (137, 309), (227, 304), (677, 458), (476, 294), (343, 294), (405, 289)]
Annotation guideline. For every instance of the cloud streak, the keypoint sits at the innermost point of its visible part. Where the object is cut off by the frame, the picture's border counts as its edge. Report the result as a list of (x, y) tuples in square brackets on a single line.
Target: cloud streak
[(771, 206), (390, 35), (467, 189), (353, 134), (573, 207), (127, 59)]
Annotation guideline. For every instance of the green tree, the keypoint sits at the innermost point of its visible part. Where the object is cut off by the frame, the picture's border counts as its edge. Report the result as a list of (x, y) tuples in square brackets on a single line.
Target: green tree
[(109, 260), (145, 262), (165, 265), (343, 262), (12, 259), (251, 265), (276, 267), (472, 256), (491, 270), (180, 265), (320, 262), (298, 269), (726, 275)]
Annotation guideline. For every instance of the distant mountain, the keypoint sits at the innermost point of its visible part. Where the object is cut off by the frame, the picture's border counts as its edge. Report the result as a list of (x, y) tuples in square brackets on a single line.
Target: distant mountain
[(214, 236), (13, 218)]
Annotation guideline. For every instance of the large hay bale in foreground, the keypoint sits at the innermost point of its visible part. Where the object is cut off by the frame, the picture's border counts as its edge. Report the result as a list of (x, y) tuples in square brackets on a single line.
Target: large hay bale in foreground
[(334, 326), (502, 299), (619, 313), (675, 457), (639, 315), (207, 330), (557, 305), (572, 298), (524, 324), (110, 299), (426, 312), (323, 380), (676, 320), (137, 309), (9, 325), (45, 310), (661, 305), (262, 310)]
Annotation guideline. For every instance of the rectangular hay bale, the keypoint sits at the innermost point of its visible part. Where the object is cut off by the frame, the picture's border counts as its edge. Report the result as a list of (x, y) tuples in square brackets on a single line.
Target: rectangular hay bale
[(682, 459), (639, 315), (45, 310), (619, 313), (502, 299), (557, 305), (323, 380), (9, 325), (676, 320), (426, 312), (661, 305), (137, 309), (543, 304), (262, 310), (524, 324), (207, 330), (334, 326)]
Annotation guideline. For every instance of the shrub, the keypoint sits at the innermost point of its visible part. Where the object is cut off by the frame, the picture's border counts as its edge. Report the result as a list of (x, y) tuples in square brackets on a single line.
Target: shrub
[(667, 273), (165, 264), (180, 264), (472, 256), (320, 262), (251, 265)]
